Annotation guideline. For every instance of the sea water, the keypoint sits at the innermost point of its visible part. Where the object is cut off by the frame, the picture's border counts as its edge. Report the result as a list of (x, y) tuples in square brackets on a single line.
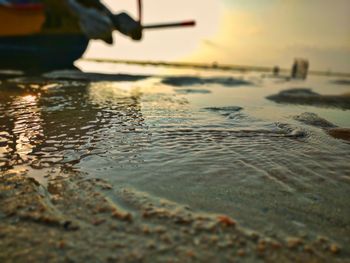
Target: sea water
[(206, 139)]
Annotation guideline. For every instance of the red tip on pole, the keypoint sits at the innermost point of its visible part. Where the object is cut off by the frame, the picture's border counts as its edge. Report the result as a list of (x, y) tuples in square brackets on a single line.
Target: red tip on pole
[(189, 23)]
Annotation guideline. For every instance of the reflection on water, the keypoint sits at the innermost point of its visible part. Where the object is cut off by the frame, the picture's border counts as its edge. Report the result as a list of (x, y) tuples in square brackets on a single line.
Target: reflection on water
[(228, 150), (27, 128), (63, 125)]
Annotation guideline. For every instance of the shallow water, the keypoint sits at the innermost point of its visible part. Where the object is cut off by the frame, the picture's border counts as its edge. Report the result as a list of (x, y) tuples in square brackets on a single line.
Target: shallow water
[(210, 140)]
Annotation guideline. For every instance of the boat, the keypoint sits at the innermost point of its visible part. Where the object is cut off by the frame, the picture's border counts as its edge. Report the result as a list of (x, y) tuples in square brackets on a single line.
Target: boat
[(46, 35), (34, 37)]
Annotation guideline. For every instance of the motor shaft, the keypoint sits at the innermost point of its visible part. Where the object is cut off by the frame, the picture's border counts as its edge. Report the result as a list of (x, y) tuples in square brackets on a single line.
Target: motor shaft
[(168, 25)]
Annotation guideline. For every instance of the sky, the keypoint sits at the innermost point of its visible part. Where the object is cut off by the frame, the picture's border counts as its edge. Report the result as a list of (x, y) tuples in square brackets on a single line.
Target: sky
[(239, 32)]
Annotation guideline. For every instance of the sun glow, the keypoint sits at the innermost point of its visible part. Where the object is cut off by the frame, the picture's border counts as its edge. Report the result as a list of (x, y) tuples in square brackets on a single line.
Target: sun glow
[(259, 33)]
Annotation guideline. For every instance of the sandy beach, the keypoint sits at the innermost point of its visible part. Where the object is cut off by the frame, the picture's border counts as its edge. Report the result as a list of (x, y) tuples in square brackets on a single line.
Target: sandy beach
[(179, 165)]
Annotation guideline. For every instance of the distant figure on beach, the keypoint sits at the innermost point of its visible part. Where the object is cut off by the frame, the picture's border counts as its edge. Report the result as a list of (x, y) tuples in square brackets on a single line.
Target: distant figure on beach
[(276, 71), (300, 69)]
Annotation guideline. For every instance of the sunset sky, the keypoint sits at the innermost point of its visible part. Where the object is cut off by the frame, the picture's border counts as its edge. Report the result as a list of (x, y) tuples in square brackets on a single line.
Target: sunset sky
[(243, 32)]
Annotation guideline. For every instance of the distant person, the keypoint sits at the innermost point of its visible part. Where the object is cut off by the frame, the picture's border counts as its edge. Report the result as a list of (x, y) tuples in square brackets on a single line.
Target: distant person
[(276, 71), (300, 69), (306, 69), (294, 70)]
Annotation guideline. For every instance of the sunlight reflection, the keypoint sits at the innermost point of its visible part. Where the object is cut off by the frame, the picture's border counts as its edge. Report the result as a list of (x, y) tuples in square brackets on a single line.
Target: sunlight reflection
[(27, 125), (29, 98), (102, 92)]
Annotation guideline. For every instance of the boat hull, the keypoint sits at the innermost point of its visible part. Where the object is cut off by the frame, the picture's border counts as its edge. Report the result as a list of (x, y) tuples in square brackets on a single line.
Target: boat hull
[(18, 20), (41, 52)]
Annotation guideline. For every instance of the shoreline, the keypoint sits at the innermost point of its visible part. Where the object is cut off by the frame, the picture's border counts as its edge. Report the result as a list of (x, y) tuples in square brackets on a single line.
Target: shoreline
[(213, 66), (78, 219)]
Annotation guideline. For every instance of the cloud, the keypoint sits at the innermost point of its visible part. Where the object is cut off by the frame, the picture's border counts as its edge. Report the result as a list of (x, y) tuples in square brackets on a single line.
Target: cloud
[(266, 34)]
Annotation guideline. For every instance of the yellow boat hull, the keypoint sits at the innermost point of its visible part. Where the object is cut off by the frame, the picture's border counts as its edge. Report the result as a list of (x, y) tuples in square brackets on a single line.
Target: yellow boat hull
[(18, 21), (39, 37)]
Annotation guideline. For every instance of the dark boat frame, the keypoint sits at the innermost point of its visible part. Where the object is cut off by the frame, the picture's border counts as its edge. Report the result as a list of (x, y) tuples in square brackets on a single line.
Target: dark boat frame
[(38, 52)]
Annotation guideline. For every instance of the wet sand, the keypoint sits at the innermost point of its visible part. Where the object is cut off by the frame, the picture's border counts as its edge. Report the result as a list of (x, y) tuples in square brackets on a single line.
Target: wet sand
[(79, 220), (332, 129), (308, 97), (137, 168)]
